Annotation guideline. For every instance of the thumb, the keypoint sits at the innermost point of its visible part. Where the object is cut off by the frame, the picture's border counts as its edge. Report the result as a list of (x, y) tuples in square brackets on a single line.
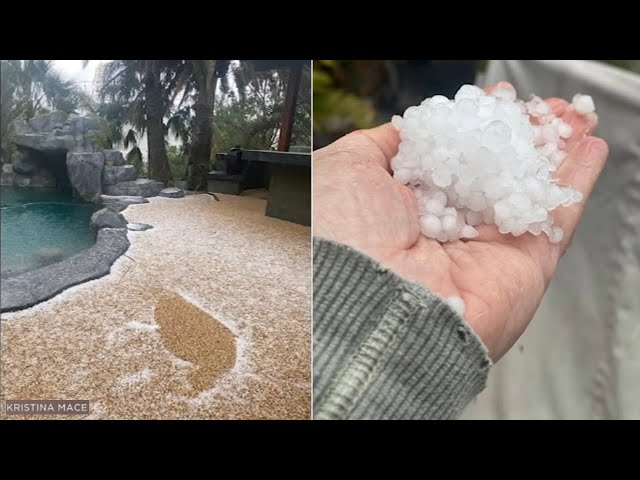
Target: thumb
[(374, 145)]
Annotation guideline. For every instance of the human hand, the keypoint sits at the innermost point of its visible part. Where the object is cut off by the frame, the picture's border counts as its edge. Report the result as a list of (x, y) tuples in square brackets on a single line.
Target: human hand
[(501, 278)]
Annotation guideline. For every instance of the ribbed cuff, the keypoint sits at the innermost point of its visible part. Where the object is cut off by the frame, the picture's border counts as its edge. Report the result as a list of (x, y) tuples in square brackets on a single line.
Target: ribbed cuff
[(386, 348)]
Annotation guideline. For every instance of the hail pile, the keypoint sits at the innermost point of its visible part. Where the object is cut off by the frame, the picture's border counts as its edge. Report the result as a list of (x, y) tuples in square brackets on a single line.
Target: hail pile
[(485, 159)]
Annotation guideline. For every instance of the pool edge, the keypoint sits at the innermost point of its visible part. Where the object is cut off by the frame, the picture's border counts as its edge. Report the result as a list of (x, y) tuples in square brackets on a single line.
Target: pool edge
[(36, 286)]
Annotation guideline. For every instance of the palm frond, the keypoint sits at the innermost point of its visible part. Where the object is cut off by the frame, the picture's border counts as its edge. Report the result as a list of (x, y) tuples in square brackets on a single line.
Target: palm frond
[(134, 157), (130, 138)]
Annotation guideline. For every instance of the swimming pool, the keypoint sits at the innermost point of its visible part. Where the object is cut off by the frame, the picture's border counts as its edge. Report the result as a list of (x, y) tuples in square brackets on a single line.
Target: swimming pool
[(40, 226)]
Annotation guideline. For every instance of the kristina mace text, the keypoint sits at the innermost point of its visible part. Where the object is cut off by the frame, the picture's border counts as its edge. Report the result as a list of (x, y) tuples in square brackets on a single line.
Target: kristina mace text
[(47, 407)]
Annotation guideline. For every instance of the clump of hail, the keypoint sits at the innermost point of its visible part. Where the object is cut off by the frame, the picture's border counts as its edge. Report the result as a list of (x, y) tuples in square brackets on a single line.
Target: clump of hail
[(485, 159)]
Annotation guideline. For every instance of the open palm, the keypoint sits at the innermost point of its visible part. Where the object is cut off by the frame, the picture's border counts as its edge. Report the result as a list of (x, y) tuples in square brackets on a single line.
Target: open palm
[(501, 278)]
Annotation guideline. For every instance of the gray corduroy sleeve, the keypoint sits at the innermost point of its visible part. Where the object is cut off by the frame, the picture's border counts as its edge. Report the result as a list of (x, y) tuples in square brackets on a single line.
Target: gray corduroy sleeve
[(384, 347)]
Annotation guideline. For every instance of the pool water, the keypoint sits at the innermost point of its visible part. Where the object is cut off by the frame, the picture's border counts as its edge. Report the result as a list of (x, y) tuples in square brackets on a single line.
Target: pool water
[(40, 226)]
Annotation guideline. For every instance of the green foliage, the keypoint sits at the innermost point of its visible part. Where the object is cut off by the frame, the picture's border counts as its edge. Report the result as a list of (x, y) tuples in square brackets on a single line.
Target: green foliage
[(237, 123), (301, 134), (121, 92), (7, 111), (248, 109), (177, 161), (624, 64), (7, 148), (121, 95), (345, 91), (29, 88), (335, 107), (179, 124), (103, 137), (481, 65), (122, 102), (134, 157)]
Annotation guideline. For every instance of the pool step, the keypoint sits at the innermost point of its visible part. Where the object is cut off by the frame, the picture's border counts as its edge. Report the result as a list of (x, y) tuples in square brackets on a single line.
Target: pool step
[(118, 174), (118, 203), (141, 187), (128, 199)]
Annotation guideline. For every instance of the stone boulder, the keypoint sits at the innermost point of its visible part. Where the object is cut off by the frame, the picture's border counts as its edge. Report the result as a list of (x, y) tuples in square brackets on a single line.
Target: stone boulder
[(116, 206), (8, 176), (129, 200), (19, 126), (45, 142), (22, 181), (138, 227), (119, 203), (113, 175), (43, 178), (23, 163), (46, 122), (171, 192), (141, 187), (27, 170), (85, 173), (57, 132), (107, 219), (113, 158)]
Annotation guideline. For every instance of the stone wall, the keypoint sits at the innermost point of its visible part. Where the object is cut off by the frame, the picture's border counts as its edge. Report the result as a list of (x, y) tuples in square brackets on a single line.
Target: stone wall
[(59, 149), (42, 144), (58, 131)]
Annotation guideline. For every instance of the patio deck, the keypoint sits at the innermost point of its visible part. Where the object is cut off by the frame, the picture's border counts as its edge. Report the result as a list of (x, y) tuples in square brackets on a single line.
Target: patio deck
[(206, 316)]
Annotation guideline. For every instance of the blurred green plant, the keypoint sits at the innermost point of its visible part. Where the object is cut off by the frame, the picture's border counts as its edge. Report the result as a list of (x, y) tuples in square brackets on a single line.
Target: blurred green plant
[(624, 64), (481, 65), (134, 155), (102, 137), (29, 88), (177, 161), (334, 106), (248, 109), (346, 93)]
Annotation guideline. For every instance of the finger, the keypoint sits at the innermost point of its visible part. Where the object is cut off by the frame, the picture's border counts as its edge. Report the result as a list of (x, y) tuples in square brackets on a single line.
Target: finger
[(558, 106), (501, 84), (581, 125), (580, 170), (376, 145)]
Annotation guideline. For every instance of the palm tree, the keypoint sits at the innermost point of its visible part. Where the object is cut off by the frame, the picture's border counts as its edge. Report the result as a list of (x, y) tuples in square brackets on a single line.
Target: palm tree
[(154, 108), (7, 107), (140, 95), (145, 93), (30, 88), (39, 88), (204, 72)]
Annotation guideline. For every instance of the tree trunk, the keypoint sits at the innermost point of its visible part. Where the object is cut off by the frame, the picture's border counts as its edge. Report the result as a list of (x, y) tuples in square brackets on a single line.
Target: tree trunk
[(158, 162), (202, 128)]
